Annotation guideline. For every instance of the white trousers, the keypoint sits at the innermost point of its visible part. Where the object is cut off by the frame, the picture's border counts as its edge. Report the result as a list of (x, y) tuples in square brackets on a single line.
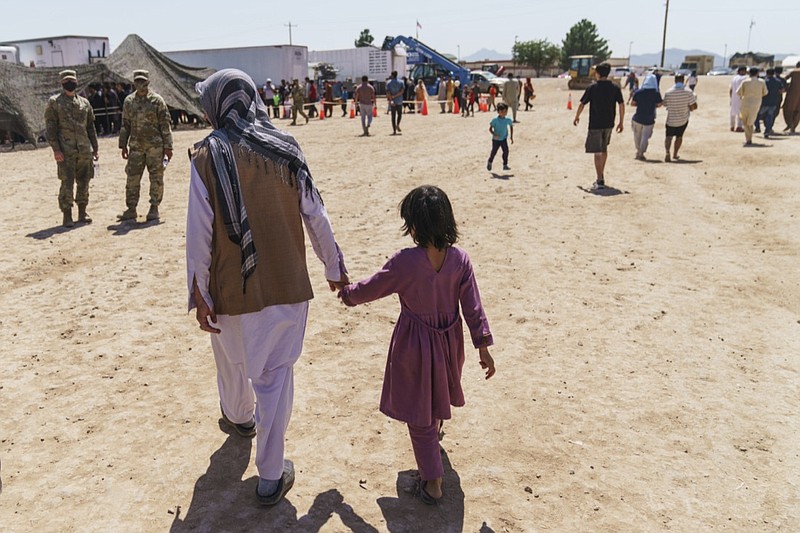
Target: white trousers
[(641, 136), (255, 355), (736, 104)]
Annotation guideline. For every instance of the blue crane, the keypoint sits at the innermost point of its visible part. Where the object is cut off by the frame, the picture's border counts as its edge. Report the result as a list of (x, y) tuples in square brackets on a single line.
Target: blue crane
[(428, 64)]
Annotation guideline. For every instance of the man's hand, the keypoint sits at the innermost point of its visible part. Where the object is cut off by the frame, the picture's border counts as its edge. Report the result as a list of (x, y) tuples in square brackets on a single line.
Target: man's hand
[(95, 156), (619, 127), (577, 119), (59, 156), (168, 153), (204, 312), (339, 285), (124, 153)]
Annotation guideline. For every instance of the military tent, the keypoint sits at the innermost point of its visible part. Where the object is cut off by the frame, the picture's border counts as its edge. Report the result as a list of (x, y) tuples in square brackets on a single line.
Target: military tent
[(24, 91)]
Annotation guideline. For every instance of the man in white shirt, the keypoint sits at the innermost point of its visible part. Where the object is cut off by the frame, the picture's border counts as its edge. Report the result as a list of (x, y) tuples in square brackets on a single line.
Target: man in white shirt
[(511, 95), (736, 82)]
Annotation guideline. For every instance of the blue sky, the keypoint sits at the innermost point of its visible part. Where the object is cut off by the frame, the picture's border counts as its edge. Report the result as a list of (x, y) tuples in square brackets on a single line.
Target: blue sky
[(450, 27)]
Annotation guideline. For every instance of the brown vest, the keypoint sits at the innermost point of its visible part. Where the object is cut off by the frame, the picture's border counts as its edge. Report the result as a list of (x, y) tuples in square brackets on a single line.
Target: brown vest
[(273, 210)]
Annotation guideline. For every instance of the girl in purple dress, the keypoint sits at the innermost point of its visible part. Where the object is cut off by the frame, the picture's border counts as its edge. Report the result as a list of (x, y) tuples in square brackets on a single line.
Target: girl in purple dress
[(426, 353)]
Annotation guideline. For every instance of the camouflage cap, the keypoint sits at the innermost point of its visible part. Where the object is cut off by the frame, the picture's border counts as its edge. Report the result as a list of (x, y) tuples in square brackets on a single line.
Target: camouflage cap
[(141, 75), (68, 75)]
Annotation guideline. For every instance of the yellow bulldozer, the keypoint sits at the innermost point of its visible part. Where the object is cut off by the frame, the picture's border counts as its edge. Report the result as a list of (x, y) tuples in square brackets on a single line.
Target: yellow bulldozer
[(581, 72)]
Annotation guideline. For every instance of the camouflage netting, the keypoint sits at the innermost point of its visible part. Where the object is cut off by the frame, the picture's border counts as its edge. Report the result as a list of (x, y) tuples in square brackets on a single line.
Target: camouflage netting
[(24, 91)]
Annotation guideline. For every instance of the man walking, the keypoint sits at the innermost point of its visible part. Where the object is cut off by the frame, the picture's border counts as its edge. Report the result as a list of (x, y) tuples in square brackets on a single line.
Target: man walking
[(247, 275), (394, 93), (601, 97), (752, 91), (69, 121), (680, 101), (511, 95), (736, 102), (298, 102), (145, 139), (365, 98), (770, 103)]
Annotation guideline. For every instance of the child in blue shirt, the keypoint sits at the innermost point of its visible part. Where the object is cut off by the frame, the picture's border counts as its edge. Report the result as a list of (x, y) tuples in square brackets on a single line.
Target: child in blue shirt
[(499, 127)]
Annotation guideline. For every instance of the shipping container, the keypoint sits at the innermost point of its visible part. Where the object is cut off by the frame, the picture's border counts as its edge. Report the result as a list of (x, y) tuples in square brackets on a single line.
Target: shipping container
[(285, 62), (368, 61)]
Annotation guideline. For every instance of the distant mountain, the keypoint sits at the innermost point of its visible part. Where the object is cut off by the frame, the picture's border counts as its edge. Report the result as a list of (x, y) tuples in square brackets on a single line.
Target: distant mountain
[(485, 53), (673, 57)]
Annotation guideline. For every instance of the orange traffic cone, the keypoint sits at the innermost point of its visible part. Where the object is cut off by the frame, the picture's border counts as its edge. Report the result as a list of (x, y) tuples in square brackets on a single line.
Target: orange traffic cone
[(321, 109), (353, 109), (424, 108), (569, 101), (375, 111), (456, 110)]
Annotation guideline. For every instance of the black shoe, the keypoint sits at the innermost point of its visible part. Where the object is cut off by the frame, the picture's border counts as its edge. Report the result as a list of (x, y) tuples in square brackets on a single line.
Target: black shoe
[(286, 482), (244, 430)]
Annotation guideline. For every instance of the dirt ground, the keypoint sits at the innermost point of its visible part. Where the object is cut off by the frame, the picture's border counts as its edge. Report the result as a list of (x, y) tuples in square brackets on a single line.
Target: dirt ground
[(647, 341)]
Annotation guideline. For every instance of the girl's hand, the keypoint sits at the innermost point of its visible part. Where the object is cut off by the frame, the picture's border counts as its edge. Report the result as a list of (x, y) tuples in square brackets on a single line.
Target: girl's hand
[(486, 361)]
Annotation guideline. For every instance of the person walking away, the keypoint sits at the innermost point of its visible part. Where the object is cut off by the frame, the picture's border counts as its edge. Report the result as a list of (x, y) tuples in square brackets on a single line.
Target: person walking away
[(394, 93), (528, 88), (474, 96), (365, 98), (692, 81), (450, 87), (632, 82), (680, 102), (645, 100), (601, 97), (250, 192), (770, 103), (502, 128), (752, 91), (298, 102), (145, 140), (69, 125), (435, 284), (736, 102), (327, 104), (441, 94), (420, 95), (511, 95), (408, 94), (791, 103)]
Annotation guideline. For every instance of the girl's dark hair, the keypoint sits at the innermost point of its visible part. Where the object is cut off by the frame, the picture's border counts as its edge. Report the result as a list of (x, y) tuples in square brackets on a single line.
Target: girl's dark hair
[(428, 212)]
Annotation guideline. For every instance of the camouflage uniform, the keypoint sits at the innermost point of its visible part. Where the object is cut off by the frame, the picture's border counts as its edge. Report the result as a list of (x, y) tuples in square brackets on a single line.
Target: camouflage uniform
[(70, 130), (146, 132), (298, 101)]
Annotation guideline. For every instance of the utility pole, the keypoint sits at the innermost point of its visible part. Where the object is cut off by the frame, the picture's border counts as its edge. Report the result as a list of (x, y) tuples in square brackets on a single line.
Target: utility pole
[(749, 33), (664, 38), (458, 46), (725, 56), (630, 45), (290, 25)]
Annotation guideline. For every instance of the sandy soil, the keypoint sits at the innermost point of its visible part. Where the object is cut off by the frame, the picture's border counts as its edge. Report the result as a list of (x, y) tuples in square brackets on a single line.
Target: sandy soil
[(647, 342)]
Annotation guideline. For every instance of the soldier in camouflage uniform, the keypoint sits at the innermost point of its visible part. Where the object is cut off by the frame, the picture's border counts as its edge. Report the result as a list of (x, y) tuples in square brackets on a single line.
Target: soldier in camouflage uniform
[(71, 134), (298, 102), (145, 139)]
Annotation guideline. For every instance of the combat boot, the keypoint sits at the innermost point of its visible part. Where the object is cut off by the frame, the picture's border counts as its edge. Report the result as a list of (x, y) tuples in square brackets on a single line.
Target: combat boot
[(128, 214), (83, 216), (153, 213), (67, 223)]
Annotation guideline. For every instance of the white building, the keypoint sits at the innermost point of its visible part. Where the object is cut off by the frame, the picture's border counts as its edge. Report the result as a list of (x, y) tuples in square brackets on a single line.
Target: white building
[(260, 62), (63, 51)]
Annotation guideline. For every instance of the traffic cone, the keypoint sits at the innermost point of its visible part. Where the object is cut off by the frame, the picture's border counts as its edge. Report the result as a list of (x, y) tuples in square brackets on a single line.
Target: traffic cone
[(353, 109), (569, 101), (375, 111), (424, 108), (321, 109)]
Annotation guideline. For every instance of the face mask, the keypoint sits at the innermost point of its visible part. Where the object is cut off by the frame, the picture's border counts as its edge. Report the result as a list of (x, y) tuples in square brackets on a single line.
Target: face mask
[(141, 85), (70, 86)]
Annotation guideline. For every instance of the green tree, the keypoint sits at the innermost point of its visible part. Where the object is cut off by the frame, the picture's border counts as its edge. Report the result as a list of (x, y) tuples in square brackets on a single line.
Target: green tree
[(365, 39), (538, 54), (583, 39)]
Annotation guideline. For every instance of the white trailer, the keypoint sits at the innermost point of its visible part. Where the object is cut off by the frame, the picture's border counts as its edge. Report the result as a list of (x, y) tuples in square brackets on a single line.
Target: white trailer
[(282, 62), (9, 54), (63, 51), (366, 60)]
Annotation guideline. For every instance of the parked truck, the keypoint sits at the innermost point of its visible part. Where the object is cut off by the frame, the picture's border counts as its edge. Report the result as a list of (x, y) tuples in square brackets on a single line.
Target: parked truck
[(700, 64)]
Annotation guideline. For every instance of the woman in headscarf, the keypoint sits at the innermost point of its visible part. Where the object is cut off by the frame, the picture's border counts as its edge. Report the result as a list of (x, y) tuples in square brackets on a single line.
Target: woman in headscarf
[(645, 100), (250, 193)]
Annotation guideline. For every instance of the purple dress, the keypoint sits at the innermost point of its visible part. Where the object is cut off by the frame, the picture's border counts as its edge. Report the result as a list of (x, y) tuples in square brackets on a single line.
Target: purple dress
[(426, 353)]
